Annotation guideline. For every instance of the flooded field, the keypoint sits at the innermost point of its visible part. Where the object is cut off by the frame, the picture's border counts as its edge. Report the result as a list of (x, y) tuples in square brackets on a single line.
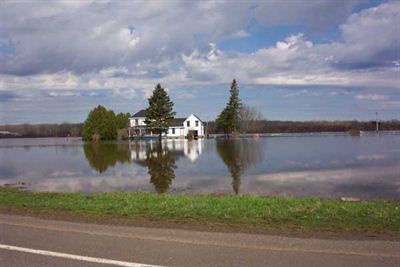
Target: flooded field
[(328, 166)]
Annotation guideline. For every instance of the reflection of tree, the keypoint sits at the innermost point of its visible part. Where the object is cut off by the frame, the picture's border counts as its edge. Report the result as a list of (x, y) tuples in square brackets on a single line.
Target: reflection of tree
[(161, 167), (103, 155), (238, 155)]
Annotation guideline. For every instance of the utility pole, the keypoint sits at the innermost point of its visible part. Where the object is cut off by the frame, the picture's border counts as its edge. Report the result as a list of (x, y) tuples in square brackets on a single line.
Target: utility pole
[(377, 125)]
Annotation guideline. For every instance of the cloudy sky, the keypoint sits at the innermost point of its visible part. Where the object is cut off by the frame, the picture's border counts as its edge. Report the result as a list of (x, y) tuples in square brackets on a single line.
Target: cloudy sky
[(294, 60)]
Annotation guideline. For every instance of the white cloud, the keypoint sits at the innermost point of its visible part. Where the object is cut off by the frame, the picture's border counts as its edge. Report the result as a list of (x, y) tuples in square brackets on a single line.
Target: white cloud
[(185, 95), (390, 104), (90, 45), (294, 42), (295, 61), (63, 94), (317, 15), (93, 94), (241, 34), (214, 52), (373, 97), (302, 92), (371, 157), (371, 37), (124, 93), (129, 37)]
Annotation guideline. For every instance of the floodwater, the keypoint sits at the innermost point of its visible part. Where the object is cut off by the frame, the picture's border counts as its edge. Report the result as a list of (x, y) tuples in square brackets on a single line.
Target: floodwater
[(328, 166)]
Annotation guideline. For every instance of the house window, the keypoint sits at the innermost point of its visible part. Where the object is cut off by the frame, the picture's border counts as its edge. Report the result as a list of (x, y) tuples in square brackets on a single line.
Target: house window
[(197, 123), (173, 130), (188, 123), (136, 122)]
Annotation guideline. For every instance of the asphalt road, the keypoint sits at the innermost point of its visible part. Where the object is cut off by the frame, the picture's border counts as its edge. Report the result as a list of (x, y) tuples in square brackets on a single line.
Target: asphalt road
[(27, 241)]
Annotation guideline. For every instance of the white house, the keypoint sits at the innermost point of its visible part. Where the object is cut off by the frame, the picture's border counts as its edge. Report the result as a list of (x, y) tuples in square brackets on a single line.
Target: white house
[(190, 127)]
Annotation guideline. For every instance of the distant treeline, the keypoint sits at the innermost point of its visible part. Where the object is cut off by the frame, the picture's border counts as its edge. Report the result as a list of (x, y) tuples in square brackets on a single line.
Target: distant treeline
[(316, 126), (42, 130), (75, 129)]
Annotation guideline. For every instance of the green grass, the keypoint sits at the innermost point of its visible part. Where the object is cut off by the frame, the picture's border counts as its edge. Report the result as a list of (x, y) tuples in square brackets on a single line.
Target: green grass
[(268, 212)]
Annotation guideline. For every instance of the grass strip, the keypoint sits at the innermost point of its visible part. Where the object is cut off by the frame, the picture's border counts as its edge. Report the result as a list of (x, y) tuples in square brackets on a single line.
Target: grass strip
[(377, 216)]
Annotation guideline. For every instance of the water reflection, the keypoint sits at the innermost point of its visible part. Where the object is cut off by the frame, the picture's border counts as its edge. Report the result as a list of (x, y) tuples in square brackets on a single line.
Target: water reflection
[(160, 159), (328, 166), (238, 156), (161, 167), (101, 156), (190, 149)]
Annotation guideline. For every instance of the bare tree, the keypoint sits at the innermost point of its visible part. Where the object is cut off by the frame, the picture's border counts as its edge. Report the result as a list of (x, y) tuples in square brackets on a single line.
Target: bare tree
[(248, 118)]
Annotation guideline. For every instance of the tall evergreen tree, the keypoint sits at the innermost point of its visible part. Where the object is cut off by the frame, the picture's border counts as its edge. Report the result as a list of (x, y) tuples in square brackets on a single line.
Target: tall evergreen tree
[(160, 113), (234, 104), (228, 119)]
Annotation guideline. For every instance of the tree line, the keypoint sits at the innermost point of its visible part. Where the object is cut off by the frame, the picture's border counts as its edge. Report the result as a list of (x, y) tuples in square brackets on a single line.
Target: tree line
[(42, 130), (236, 118), (262, 126)]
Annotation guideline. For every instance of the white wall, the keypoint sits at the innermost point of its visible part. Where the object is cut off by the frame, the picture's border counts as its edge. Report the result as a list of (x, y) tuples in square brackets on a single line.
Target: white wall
[(192, 119), (179, 132), (140, 121)]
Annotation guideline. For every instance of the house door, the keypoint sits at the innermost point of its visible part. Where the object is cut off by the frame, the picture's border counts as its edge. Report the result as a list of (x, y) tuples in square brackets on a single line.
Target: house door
[(193, 134)]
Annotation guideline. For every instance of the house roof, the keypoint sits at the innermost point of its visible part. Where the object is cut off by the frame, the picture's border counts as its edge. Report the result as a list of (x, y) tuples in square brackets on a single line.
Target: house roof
[(141, 114), (178, 122)]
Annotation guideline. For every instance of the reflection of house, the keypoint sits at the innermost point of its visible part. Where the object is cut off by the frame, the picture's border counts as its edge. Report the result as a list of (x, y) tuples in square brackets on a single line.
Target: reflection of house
[(191, 149), (191, 126)]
